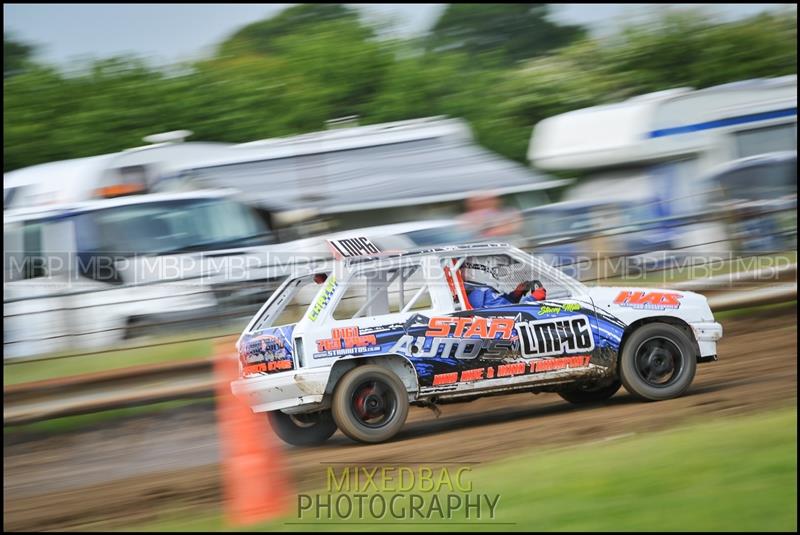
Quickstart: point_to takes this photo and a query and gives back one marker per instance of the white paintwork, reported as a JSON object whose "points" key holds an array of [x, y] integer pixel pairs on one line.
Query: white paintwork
{"points": [[87, 205], [617, 134], [350, 138], [694, 307], [76, 180]]}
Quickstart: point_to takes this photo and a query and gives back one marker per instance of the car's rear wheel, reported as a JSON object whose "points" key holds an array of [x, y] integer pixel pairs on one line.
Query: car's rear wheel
{"points": [[306, 429], [370, 404], [658, 362], [591, 393]]}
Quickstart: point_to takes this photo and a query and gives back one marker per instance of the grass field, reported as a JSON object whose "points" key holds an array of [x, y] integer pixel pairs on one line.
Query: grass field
{"points": [[83, 421], [735, 474], [37, 370], [776, 309]]}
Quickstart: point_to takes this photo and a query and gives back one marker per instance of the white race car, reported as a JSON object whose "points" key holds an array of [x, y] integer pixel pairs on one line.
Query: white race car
{"points": [[430, 326]]}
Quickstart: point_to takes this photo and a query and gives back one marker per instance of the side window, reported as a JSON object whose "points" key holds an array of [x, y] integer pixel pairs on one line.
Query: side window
{"points": [[353, 298], [764, 181], [410, 292], [527, 272], [384, 291], [33, 261], [767, 139], [13, 252], [502, 274], [291, 303], [555, 290], [8, 196]]}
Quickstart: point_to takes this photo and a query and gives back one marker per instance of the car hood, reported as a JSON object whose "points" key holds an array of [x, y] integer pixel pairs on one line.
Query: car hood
{"points": [[632, 303]]}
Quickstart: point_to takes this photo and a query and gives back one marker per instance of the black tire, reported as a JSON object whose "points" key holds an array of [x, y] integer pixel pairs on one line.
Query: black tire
{"points": [[370, 404], [658, 362], [590, 395], [307, 429]]}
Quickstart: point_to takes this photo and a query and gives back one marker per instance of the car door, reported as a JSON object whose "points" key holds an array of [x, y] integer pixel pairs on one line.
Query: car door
{"points": [[368, 314], [512, 343]]}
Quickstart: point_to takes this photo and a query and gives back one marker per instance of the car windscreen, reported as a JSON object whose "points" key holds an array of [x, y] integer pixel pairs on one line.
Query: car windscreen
{"points": [[760, 182], [167, 227], [555, 222], [440, 236]]}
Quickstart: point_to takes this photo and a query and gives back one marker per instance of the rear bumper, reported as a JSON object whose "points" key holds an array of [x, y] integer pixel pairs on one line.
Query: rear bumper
{"points": [[283, 390], [707, 333]]}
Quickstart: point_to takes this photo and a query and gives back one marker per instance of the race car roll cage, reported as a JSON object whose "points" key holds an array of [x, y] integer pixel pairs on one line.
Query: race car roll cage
{"points": [[450, 260]]}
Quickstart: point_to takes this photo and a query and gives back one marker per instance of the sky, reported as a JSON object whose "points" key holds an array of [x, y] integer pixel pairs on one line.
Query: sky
{"points": [[168, 33]]}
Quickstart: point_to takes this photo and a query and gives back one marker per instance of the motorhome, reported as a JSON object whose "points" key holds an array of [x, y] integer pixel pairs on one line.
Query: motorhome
{"points": [[131, 171], [348, 177], [655, 147]]}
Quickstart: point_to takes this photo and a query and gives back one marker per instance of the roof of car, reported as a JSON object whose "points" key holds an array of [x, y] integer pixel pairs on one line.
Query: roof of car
{"points": [[476, 248], [423, 251], [397, 256]]}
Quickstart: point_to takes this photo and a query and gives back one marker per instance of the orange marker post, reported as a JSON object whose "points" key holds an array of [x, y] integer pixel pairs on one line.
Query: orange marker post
{"points": [[255, 480]]}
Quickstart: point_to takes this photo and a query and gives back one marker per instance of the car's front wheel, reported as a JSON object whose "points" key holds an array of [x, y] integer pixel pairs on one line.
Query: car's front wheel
{"points": [[658, 362], [370, 404], [307, 429], [591, 394]]}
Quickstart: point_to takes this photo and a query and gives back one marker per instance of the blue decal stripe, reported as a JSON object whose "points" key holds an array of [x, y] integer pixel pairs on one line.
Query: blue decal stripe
{"points": [[610, 335], [730, 121]]}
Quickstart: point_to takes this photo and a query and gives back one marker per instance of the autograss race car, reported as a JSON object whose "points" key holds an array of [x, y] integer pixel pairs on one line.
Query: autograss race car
{"points": [[351, 343]]}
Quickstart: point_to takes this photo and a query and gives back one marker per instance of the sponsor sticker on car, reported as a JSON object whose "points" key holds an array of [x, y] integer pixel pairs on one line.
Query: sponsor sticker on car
{"points": [[648, 300], [352, 247]]}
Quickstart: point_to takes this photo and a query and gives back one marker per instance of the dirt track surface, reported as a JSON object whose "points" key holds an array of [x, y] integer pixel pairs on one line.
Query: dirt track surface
{"points": [[128, 471]]}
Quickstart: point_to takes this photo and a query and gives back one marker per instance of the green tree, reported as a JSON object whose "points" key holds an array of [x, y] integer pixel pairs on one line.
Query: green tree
{"points": [[689, 49], [261, 37], [249, 97], [311, 68], [327, 45], [512, 32], [50, 116], [16, 55], [339, 57]]}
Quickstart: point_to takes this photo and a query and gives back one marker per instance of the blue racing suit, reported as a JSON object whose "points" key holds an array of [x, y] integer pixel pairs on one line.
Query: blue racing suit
{"points": [[484, 297]]}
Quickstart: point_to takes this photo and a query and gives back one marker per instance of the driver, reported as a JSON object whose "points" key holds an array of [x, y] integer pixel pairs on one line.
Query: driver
{"points": [[481, 296], [481, 278]]}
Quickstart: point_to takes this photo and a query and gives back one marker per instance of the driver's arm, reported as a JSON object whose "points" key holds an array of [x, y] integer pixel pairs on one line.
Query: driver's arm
{"points": [[533, 288], [517, 293], [484, 297]]}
